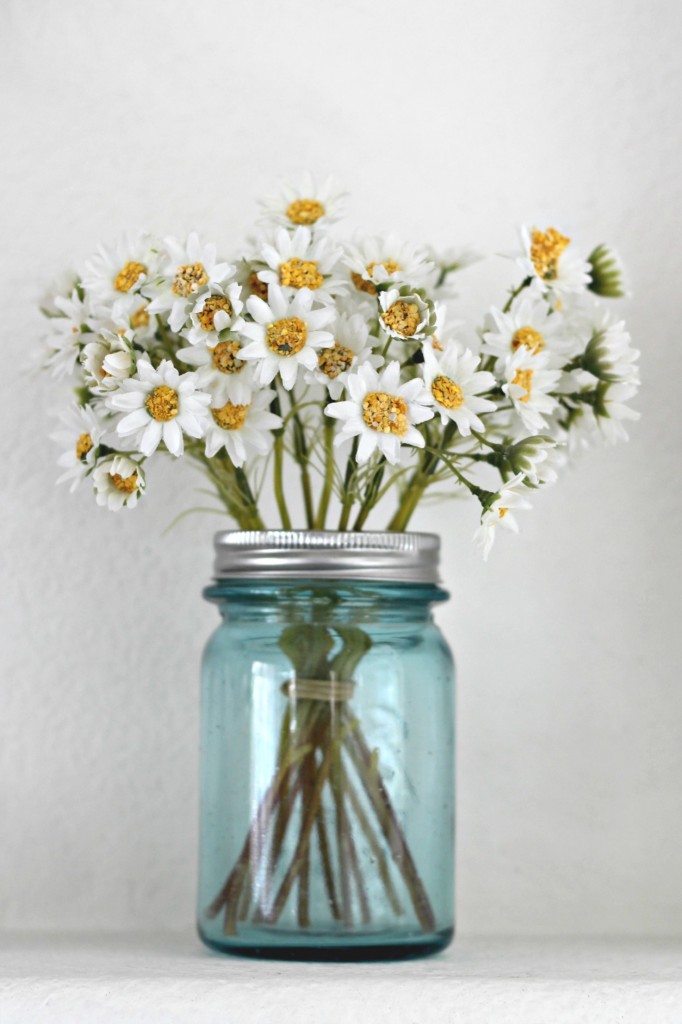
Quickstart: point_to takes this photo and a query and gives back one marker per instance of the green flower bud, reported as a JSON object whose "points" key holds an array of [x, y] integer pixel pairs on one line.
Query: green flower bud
{"points": [[607, 273]]}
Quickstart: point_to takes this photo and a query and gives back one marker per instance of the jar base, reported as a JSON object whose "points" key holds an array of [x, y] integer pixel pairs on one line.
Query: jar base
{"points": [[357, 950]]}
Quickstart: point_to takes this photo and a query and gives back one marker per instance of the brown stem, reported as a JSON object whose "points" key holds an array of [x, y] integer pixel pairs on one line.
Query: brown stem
{"points": [[327, 869], [342, 844], [356, 870], [377, 852]]}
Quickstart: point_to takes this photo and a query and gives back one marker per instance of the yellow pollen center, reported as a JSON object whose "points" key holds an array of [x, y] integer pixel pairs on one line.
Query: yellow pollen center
{"points": [[188, 278], [305, 211], [83, 446], [436, 344], [140, 318], [231, 417], [447, 393], [529, 337], [214, 304], [225, 357], [286, 337], [385, 413], [402, 317], [128, 276], [363, 285], [335, 360], [502, 512], [127, 484], [523, 378], [297, 273], [257, 286], [162, 403], [545, 249]]}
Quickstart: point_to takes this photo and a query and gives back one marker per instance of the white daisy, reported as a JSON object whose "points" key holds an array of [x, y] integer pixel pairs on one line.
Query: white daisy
{"points": [[187, 269], [300, 261], [113, 277], [69, 329], [453, 383], [376, 261], [406, 314], [352, 346], [527, 323], [136, 320], [511, 495], [118, 481], [548, 257], [242, 428], [107, 360], [221, 371], [309, 204], [381, 411], [160, 405], [215, 310], [528, 382], [80, 436], [610, 409], [286, 334]]}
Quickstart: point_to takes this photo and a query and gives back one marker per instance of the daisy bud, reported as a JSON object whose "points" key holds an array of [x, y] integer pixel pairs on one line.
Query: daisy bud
{"points": [[607, 273]]}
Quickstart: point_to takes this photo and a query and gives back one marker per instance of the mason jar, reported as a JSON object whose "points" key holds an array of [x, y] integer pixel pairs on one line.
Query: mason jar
{"points": [[327, 749]]}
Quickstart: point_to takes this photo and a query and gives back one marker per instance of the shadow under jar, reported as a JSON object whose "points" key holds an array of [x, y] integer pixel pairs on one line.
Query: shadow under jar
{"points": [[327, 751]]}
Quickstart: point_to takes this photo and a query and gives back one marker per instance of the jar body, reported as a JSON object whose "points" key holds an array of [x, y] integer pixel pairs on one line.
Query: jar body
{"points": [[327, 772]]}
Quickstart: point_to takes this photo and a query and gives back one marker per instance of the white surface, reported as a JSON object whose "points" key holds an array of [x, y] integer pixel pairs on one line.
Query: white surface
{"points": [[450, 122], [173, 980]]}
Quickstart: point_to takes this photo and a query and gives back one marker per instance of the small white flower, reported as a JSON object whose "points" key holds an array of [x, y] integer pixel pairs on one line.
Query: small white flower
{"points": [[611, 410], [160, 405], [351, 347], [300, 261], [406, 315], [242, 428], [310, 205], [215, 310], [511, 495], [136, 321], [80, 436], [376, 261], [453, 383], [187, 269], [285, 335], [527, 324], [528, 382], [107, 360], [113, 277], [548, 257], [68, 331], [118, 481], [609, 356], [381, 411], [221, 371]]}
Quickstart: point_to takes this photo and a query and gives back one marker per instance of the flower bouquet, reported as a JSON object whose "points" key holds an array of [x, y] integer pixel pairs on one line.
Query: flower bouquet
{"points": [[312, 363]]}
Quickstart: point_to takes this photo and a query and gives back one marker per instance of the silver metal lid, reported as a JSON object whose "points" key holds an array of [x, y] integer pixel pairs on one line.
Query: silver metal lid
{"points": [[327, 554]]}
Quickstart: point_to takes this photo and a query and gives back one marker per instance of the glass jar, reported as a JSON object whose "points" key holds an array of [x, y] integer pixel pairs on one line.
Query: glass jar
{"points": [[327, 750]]}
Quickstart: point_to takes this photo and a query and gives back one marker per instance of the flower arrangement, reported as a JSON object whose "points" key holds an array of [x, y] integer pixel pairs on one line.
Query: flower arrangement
{"points": [[304, 343]]}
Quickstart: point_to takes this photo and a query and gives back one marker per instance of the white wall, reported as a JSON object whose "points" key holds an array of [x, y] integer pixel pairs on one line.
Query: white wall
{"points": [[451, 122]]}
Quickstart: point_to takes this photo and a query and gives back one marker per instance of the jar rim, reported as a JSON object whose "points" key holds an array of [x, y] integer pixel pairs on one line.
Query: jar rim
{"points": [[327, 554]]}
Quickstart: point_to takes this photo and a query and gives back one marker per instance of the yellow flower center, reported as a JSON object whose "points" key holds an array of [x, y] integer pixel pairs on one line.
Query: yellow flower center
{"points": [[214, 304], [127, 484], [257, 286], [502, 512], [446, 392], [545, 249], [297, 273], [385, 413], [436, 344], [140, 318], [162, 403], [231, 417], [286, 337], [83, 446], [188, 278], [128, 276], [402, 317], [363, 285], [523, 378], [335, 360], [225, 357], [305, 211], [529, 337]]}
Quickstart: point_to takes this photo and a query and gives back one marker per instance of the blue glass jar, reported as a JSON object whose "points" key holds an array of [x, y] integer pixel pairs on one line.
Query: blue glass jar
{"points": [[327, 749]]}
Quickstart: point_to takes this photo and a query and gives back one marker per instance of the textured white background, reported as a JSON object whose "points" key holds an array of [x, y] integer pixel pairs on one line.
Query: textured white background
{"points": [[450, 122]]}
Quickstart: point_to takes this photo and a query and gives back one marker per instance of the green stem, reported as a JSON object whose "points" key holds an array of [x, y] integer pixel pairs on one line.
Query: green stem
{"points": [[328, 485], [302, 456], [517, 291], [420, 481], [278, 471], [348, 499]]}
